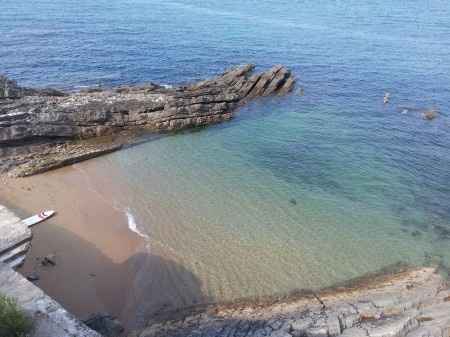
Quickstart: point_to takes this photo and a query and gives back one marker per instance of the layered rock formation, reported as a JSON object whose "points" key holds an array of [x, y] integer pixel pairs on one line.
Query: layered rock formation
{"points": [[36, 116], [409, 304]]}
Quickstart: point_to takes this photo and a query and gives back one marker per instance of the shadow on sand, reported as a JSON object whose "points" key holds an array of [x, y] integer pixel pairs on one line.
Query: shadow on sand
{"points": [[86, 281]]}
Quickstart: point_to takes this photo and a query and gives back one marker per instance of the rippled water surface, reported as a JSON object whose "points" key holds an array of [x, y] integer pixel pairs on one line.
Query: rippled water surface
{"points": [[299, 191]]}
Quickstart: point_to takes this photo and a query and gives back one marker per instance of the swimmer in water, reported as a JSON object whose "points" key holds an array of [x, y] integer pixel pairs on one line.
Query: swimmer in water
{"points": [[386, 98]]}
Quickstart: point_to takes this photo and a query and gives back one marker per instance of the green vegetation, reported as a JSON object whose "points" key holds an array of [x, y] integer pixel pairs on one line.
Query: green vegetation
{"points": [[13, 321]]}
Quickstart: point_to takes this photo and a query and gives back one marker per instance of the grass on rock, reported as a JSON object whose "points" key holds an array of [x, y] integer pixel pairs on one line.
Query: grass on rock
{"points": [[13, 321]]}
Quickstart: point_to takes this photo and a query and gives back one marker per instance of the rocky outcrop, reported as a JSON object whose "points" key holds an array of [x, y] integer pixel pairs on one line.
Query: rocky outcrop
{"points": [[101, 112], [32, 116], [10, 89], [410, 304]]}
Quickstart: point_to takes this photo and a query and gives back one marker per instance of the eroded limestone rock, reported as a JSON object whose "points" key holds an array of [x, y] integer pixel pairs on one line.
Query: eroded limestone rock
{"points": [[29, 116], [410, 304]]}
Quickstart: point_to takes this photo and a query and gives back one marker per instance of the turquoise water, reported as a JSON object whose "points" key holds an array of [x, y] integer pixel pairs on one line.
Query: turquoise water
{"points": [[299, 191]]}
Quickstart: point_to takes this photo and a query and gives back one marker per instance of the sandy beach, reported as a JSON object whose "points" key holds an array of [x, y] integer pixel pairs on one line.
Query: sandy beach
{"points": [[101, 265]]}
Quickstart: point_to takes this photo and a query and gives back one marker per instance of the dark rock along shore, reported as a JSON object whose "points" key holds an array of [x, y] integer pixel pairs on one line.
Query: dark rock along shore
{"points": [[45, 129], [412, 303]]}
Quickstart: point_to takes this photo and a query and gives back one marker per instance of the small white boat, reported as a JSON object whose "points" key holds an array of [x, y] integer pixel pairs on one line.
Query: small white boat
{"points": [[35, 219]]}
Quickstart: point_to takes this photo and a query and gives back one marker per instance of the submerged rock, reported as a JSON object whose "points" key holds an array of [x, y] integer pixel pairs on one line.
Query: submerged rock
{"points": [[426, 112], [430, 114]]}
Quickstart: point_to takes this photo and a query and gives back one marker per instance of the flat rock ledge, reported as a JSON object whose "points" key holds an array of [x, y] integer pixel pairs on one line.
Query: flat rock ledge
{"points": [[45, 129], [414, 303]]}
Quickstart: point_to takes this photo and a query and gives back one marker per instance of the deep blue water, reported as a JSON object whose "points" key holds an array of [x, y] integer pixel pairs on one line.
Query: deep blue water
{"points": [[371, 184]]}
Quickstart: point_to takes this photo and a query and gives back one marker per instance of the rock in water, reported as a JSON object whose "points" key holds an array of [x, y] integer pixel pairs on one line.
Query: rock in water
{"points": [[8, 88], [90, 114], [36, 116], [429, 114]]}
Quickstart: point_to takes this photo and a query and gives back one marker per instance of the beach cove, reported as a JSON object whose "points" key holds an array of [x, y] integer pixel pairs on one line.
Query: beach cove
{"points": [[306, 187]]}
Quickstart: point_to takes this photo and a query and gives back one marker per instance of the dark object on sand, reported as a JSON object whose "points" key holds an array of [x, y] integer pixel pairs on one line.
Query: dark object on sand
{"points": [[292, 201], [33, 277], [105, 324], [49, 260]]}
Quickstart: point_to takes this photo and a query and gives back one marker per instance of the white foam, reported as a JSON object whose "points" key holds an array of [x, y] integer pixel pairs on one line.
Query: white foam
{"points": [[133, 226]]}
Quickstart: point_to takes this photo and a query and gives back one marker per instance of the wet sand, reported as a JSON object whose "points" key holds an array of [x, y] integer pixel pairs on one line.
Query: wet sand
{"points": [[101, 265]]}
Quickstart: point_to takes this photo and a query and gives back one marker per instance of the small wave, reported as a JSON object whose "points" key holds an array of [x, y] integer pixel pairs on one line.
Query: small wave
{"points": [[133, 226], [167, 86]]}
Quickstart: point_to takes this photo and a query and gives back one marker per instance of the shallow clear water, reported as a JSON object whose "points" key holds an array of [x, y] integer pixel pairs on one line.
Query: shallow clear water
{"points": [[299, 191]]}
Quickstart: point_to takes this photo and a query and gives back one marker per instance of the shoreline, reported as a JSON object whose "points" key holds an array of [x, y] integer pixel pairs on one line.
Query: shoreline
{"points": [[91, 245], [103, 266], [349, 288], [411, 303]]}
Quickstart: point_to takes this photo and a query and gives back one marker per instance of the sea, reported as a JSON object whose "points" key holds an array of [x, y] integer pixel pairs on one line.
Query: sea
{"points": [[308, 190]]}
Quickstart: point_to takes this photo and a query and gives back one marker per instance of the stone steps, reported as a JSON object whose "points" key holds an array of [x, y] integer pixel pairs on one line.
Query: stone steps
{"points": [[16, 256], [15, 238]]}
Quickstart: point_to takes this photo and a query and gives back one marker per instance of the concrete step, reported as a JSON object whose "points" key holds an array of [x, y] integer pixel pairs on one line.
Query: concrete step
{"points": [[14, 234], [16, 256], [17, 262]]}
